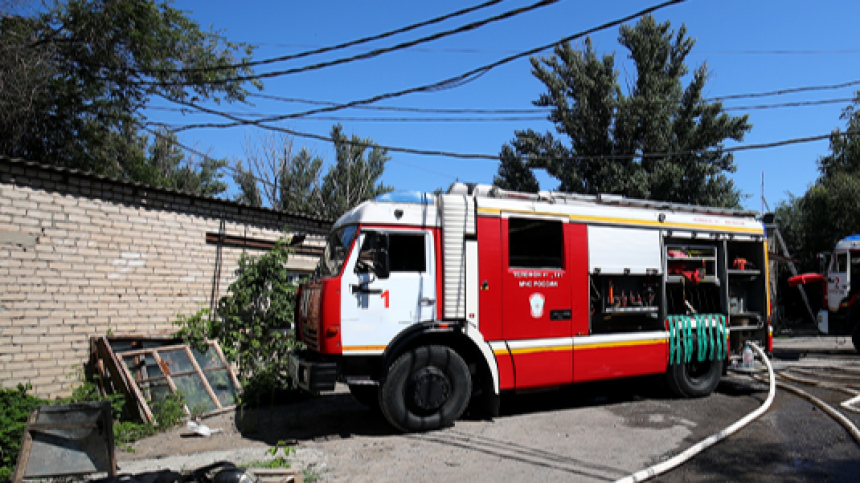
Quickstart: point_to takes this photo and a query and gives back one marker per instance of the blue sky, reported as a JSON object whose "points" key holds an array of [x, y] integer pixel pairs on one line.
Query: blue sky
{"points": [[749, 47]]}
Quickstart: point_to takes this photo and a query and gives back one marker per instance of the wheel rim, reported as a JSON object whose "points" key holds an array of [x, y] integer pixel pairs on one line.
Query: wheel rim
{"points": [[697, 370], [427, 390]]}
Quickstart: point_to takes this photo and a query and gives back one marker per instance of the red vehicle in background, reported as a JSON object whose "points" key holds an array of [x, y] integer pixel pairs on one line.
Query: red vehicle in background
{"points": [[840, 281]]}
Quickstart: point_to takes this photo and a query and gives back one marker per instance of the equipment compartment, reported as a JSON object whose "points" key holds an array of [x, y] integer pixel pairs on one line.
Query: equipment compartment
{"points": [[745, 273], [625, 303]]}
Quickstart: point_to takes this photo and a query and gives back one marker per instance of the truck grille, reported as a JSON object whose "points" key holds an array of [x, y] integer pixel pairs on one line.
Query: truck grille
{"points": [[309, 314]]}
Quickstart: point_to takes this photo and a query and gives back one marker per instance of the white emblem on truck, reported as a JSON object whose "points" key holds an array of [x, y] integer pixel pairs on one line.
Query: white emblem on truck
{"points": [[536, 302]]}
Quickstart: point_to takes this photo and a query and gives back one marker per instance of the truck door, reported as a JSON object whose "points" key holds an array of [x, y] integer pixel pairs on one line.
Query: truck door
{"points": [[837, 280], [537, 307], [374, 310]]}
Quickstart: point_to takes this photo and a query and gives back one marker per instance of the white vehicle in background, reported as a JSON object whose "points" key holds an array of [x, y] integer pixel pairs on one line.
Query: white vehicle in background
{"points": [[840, 314]]}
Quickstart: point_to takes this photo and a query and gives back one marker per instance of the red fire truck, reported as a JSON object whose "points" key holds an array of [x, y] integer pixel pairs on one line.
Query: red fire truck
{"points": [[422, 304]]}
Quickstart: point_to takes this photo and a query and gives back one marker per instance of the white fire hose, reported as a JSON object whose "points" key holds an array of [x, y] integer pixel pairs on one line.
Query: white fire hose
{"points": [[710, 441], [672, 463]]}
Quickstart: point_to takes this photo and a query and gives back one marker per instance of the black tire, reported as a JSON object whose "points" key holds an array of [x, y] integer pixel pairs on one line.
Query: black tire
{"points": [[427, 388], [855, 337], [694, 379], [367, 395]]}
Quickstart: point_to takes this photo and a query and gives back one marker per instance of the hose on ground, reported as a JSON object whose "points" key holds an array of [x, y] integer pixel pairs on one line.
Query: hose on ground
{"points": [[682, 458], [852, 429], [848, 405]]}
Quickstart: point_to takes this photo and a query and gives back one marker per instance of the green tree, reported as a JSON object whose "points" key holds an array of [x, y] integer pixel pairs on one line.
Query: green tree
{"points": [[245, 179], [300, 184], [167, 165], [252, 317], [830, 208], [617, 143], [354, 177], [279, 178], [514, 174], [78, 74]]}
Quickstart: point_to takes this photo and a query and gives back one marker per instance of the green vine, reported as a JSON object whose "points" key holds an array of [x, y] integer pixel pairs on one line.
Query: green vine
{"points": [[251, 321]]}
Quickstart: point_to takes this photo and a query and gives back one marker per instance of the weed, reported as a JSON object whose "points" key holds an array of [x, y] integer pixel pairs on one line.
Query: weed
{"points": [[15, 406], [280, 454]]}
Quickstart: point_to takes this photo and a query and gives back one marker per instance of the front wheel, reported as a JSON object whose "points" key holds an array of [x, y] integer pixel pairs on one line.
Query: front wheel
{"points": [[694, 379], [427, 388]]}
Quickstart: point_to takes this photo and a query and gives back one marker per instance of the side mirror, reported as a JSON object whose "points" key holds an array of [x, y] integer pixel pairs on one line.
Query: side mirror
{"points": [[823, 259], [381, 264]]}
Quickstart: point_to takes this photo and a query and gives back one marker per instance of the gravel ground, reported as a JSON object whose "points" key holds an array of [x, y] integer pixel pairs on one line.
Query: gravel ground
{"points": [[589, 432]]}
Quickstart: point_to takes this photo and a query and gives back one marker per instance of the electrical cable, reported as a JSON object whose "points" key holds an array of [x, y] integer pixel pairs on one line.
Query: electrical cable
{"points": [[233, 170], [341, 46], [354, 58], [448, 83], [605, 157], [500, 112], [546, 110], [685, 456], [793, 90]]}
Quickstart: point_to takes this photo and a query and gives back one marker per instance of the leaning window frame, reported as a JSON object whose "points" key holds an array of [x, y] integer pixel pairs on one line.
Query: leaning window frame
{"points": [[169, 377]]}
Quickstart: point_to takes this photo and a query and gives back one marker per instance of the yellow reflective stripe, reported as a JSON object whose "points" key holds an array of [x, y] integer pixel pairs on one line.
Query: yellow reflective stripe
{"points": [[531, 350], [606, 345], [349, 348], [766, 269], [630, 221], [596, 345]]}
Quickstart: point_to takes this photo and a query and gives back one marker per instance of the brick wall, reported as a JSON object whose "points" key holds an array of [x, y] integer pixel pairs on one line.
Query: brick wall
{"points": [[82, 255]]}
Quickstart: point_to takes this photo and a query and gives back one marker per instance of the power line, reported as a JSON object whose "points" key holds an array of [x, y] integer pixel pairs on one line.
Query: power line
{"points": [[448, 83], [403, 109], [525, 111], [779, 52], [233, 170], [362, 56], [790, 104], [609, 157], [341, 46], [505, 115], [793, 90]]}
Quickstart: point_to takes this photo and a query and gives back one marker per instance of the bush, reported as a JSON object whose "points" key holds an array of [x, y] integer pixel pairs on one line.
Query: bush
{"points": [[15, 406], [251, 321]]}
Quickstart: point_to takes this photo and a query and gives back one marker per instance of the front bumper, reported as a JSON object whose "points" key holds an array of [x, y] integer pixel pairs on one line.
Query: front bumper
{"points": [[312, 375]]}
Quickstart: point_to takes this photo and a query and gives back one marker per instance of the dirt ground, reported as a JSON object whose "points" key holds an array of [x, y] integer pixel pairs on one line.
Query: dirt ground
{"points": [[589, 432]]}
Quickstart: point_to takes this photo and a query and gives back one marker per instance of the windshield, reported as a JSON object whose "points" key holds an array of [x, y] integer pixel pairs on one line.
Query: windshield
{"points": [[336, 250]]}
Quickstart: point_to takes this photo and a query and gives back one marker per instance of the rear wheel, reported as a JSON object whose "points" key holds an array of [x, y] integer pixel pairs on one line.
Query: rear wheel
{"points": [[694, 379], [427, 388], [855, 337]]}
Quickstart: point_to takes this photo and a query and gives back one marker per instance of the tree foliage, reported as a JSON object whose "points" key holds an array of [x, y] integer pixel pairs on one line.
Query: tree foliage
{"points": [[830, 208], [514, 174], [354, 177], [278, 177], [252, 317], [661, 141], [167, 165], [77, 76], [295, 183]]}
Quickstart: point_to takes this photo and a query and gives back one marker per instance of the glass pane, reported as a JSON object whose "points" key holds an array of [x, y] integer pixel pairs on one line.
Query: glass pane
{"points": [[222, 385], [406, 253], [142, 367], [155, 390], [535, 243], [177, 361], [208, 359], [196, 397]]}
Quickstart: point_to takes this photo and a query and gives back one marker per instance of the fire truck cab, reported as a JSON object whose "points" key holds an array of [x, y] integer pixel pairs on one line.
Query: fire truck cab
{"points": [[840, 314], [422, 304]]}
